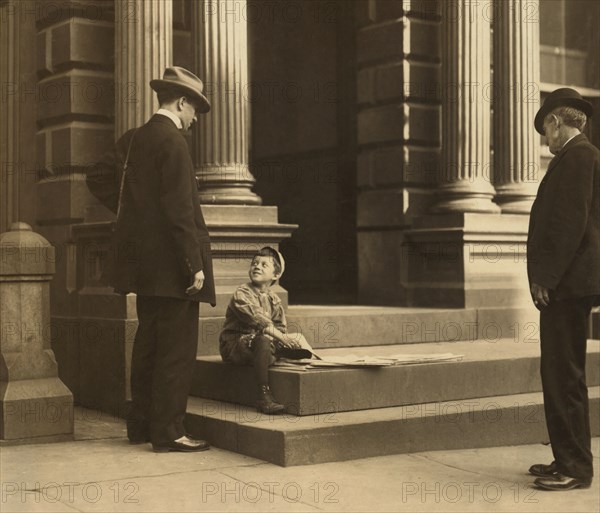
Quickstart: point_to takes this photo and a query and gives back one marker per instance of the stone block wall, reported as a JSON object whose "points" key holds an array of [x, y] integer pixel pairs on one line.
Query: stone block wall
{"points": [[76, 99], [398, 93]]}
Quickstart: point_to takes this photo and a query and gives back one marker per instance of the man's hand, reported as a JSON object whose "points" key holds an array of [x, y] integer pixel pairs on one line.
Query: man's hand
{"points": [[197, 285], [540, 295]]}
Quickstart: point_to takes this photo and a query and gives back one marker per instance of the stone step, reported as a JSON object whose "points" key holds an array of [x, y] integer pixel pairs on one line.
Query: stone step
{"points": [[289, 440], [326, 326], [487, 369]]}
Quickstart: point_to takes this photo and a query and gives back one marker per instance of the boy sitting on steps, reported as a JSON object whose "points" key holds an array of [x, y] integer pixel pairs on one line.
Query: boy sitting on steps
{"points": [[254, 332]]}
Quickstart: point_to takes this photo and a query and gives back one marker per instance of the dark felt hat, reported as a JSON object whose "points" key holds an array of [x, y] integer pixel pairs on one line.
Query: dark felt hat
{"points": [[563, 97], [185, 81]]}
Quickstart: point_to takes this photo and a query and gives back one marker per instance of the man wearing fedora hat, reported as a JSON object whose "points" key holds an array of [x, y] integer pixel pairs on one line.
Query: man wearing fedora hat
{"points": [[563, 264], [161, 252]]}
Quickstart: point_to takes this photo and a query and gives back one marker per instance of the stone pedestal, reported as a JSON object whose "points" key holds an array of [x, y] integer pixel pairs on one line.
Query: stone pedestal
{"points": [[35, 404], [467, 260], [106, 324]]}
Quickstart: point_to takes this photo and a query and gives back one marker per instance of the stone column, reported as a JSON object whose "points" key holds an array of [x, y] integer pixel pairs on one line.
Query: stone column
{"points": [[9, 121], [18, 173], [465, 169], [35, 404], [220, 52], [143, 49], [469, 257], [516, 100]]}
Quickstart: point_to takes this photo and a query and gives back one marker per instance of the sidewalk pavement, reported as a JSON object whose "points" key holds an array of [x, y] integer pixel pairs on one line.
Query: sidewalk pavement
{"points": [[100, 471]]}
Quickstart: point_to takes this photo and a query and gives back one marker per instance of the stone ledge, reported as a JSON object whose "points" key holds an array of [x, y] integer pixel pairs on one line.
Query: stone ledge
{"points": [[334, 390], [287, 441]]}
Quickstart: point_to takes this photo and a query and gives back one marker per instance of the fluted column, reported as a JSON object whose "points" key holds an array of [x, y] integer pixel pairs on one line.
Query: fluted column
{"points": [[220, 52], [516, 100], [143, 49], [10, 49], [464, 184]]}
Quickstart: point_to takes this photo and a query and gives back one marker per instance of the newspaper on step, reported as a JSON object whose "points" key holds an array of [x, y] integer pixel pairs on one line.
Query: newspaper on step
{"points": [[352, 360]]}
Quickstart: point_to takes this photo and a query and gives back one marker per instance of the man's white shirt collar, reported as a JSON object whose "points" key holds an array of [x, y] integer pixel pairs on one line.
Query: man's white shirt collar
{"points": [[171, 116], [569, 140]]}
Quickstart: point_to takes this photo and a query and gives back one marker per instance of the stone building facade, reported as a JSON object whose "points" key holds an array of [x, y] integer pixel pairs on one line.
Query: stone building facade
{"points": [[387, 146]]}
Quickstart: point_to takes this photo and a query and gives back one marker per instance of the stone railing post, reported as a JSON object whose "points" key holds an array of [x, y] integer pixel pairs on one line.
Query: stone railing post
{"points": [[35, 403]]}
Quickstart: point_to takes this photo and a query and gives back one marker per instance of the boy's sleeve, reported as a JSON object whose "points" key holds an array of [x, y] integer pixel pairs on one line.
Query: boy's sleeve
{"points": [[246, 308], [279, 320]]}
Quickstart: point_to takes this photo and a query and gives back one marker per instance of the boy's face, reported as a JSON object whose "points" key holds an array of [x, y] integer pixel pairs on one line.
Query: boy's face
{"points": [[262, 270]]}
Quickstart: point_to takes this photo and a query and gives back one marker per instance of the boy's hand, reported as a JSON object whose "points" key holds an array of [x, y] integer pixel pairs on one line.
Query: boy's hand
{"points": [[289, 342]]}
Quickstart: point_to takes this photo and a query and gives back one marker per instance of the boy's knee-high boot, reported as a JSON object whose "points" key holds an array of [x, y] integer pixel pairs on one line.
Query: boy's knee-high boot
{"points": [[266, 402]]}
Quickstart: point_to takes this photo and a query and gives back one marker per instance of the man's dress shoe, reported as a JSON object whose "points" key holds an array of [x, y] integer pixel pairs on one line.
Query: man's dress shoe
{"points": [[183, 444], [561, 482], [542, 470]]}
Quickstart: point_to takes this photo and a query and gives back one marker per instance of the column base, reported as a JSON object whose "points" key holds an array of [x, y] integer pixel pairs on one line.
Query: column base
{"points": [[467, 260], [466, 196], [520, 206], [34, 409], [226, 185], [477, 204], [228, 196], [516, 198]]}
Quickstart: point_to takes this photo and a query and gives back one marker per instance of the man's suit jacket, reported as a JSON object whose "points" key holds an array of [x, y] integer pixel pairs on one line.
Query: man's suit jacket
{"points": [[161, 239], [563, 245]]}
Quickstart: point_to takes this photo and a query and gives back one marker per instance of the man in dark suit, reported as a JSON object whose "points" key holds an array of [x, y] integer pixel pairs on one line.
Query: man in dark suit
{"points": [[563, 262], [161, 252]]}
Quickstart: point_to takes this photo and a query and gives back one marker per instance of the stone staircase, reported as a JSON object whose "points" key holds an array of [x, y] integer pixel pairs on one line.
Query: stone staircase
{"points": [[492, 397]]}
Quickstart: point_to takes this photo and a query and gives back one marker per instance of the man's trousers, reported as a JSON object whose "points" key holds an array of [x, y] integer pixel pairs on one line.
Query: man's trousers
{"points": [[162, 364], [563, 333]]}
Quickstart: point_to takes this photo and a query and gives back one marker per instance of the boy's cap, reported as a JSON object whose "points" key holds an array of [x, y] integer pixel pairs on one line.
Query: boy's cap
{"points": [[277, 256]]}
